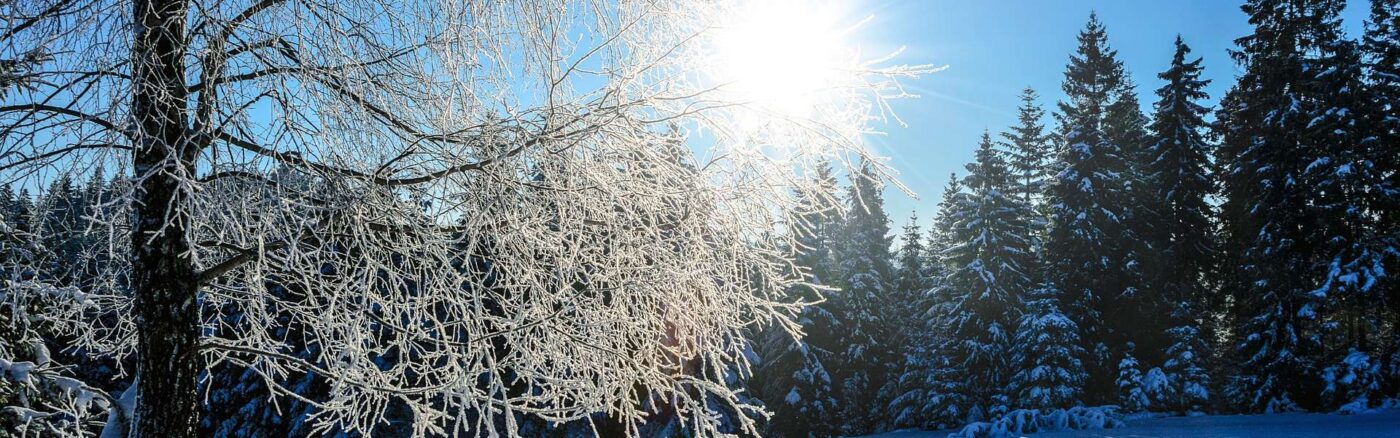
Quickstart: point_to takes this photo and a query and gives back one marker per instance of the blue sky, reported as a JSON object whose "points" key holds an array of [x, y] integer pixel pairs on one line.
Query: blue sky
{"points": [[993, 49]]}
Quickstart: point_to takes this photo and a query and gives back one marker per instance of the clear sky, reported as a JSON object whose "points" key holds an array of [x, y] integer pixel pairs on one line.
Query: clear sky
{"points": [[993, 49]]}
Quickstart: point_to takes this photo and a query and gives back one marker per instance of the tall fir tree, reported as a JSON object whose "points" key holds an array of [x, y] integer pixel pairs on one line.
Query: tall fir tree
{"points": [[1345, 187], [989, 260], [1183, 232], [1084, 243], [908, 304], [1381, 46], [1291, 130], [1134, 316], [911, 271], [863, 250]]}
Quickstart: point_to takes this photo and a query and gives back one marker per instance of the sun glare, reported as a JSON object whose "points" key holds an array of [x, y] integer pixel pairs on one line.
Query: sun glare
{"points": [[780, 55]]}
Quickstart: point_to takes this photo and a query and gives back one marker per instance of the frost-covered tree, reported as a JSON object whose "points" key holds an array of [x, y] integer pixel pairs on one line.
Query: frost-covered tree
{"points": [[989, 264], [1049, 373], [37, 384], [865, 262], [1084, 246], [422, 127]]}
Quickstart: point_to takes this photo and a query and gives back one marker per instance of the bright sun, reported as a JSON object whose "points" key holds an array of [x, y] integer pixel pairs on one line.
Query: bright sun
{"points": [[780, 55]]}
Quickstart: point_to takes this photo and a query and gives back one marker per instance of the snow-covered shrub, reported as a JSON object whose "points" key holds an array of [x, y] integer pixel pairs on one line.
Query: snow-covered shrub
{"points": [[1023, 421], [1130, 388], [1158, 388], [1355, 382]]}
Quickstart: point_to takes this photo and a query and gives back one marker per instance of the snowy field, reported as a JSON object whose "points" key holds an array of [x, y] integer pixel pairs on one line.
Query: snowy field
{"points": [[1383, 424]]}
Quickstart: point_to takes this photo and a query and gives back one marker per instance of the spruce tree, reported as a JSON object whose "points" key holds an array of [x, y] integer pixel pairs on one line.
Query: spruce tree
{"points": [[1136, 314], [1028, 149], [1182, 227], [1131, 396], [911, 282], [1382, 60], [1085, 242], [908, 304], [793, 379], [1290, 129], [989, 263], [1049, 373], [928, 393], [863, 250], [1345, 187]]}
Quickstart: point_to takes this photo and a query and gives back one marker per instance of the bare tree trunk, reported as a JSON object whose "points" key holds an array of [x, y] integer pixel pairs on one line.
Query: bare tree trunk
{"points": [[167, 314]]}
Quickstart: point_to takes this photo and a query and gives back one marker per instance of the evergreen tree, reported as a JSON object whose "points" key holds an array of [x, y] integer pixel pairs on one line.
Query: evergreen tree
{"points": [[1290, 129], [911, 270], [1355, 383], [863, 250], [1345, 187], [1028, 149], [1131, 396], [906, 308], [1135, 316], [1382, 49], [792, 378], [989, 260], [1049, 372], [1182, 227], [929, 394], [1188, 381], [1085, 242]]}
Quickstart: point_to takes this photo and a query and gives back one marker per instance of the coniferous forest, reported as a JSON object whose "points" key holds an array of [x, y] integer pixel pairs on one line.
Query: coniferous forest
{"points": [[566, 272]]}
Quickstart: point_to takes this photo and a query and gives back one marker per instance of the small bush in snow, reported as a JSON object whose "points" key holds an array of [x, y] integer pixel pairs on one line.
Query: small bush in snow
{"points": [[1023, 421]]}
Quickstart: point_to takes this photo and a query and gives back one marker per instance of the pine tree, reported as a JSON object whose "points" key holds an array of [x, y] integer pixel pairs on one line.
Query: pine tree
{"points": [[910, 272], [1049, 372], [863, 250], [793, 379], [1028, 149], [989, 261], [1182, 230], [1346, 187], [1381, 45], [1135, 315], [1187, 377], [1085, 242], [1131, 396], [928, 394], [1290, 179]]}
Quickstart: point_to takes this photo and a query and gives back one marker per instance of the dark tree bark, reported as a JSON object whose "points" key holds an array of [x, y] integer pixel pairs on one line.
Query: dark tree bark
{"points": [[166, 284]]}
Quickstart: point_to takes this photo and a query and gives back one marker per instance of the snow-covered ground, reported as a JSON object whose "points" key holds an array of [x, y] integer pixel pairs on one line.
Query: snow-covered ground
{"points": [[1382, 424]]}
